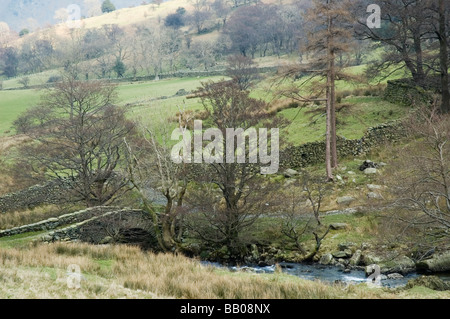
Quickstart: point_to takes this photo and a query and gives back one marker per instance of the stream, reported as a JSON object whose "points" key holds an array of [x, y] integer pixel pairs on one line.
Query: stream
{"points": [[328, 274]]}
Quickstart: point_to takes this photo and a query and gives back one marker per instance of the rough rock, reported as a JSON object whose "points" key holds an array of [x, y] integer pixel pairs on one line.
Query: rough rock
{"points": [[106, 240], [395, 276], [431, 282], [254, 252], [370, 171], [47, 238], [342, 263], [342, 254], [373, 195], [346, 245], [401, 264], [356, 258], [369, 258], [438, 263], [373, 187], [367, 164], [348, 252], [338, 226], [289, 173], [345, 200], [326, 259], [181, 92]]}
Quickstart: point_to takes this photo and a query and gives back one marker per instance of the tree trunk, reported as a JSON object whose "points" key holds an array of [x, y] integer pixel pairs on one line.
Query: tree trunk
{"points": [[328, 156], [329, 125], [419, 59], [443, 55], [334, 159], [317, 246], [167, 224], [167, 235]]}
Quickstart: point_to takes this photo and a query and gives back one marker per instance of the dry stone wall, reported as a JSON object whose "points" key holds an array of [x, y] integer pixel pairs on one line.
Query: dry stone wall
{"points": [[93, 225], [406, 92], [297, 157], [50, 193], [97, 228], [53, 223]]}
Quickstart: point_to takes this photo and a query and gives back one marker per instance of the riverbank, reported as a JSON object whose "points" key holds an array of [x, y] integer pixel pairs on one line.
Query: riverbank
{"points": [[120, 271]]}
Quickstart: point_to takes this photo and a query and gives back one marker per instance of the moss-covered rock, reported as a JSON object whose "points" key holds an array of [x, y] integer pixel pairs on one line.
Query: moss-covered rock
{"points": [[401, 264], [438, 263], [430, 282]]}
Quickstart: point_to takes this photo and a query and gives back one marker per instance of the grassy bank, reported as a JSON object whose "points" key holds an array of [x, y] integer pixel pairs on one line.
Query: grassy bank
{"points": [[127, 272]]}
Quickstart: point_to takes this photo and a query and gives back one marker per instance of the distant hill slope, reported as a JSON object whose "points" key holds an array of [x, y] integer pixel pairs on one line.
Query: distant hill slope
{"points": [[21, 14]]}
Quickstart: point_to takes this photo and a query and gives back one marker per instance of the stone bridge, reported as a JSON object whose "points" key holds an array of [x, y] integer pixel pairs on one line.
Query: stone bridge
{"points": [[97, 225]]}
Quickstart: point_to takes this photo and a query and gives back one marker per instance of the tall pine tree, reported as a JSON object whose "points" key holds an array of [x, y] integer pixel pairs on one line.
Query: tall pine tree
{"points": [[329, 32]]}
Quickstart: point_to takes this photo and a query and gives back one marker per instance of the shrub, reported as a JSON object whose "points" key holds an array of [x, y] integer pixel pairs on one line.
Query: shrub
{"points": [[54, 79], [174, 20], [23, 32], [25, 81]]}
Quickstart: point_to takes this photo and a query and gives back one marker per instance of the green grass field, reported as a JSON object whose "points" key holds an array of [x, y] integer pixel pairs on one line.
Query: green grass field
{"points": [[358, 114], [142, 98], [153, 102], [12, 104]]}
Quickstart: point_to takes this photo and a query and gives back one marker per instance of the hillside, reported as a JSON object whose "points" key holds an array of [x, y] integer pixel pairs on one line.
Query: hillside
{"points": [[226, 150], [20, 14]]}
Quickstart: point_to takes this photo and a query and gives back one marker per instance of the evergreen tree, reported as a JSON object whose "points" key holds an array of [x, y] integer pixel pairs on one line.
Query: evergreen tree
{"points": [[108, 6], [119, 68]]}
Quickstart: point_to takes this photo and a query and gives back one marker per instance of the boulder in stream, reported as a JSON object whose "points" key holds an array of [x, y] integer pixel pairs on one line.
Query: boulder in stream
{"points": [[439, 263], [401, 264], [342, 254], [326, 259], [356, 258], [395, 275]]}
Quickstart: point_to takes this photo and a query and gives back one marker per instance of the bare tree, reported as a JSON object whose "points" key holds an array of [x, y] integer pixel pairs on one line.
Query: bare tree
{"points": [[294, 224], [405, 29], [6, 35], [61, 15], [200, 14], [151, 169], [297, 220], [420, 182], [221, 10], [439, 13], [93, 7], [229, 197], [443, 56], [80, 140], [25, 81], [314, 190], [242, 70]]}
